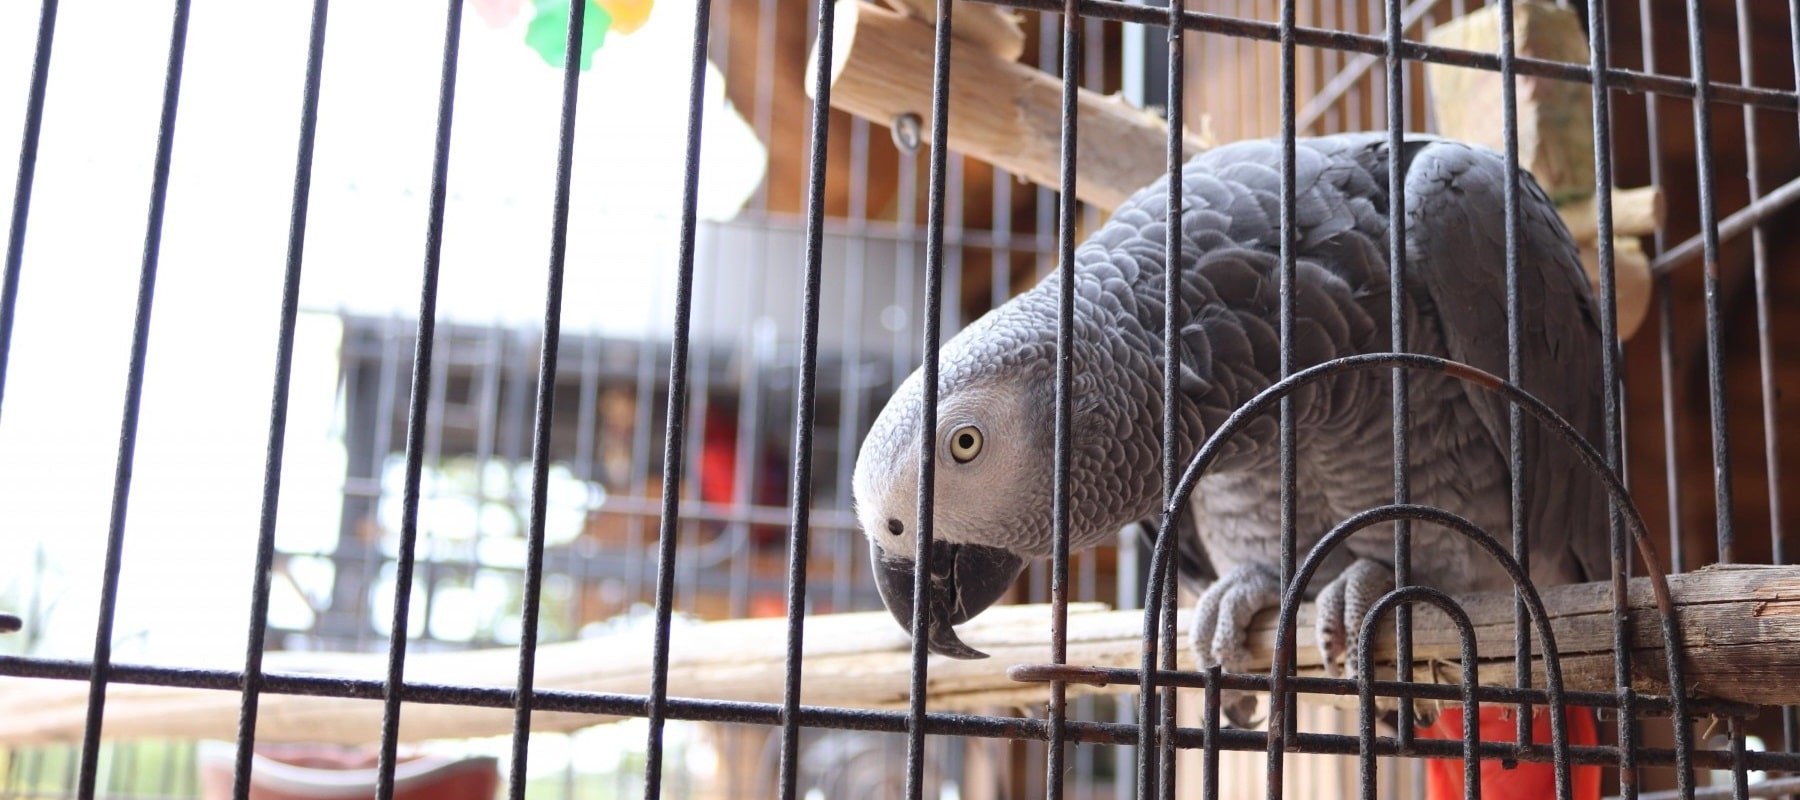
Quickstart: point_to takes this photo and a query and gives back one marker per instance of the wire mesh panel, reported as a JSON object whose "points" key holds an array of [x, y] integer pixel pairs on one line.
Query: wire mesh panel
{"points": [[592, 531]]}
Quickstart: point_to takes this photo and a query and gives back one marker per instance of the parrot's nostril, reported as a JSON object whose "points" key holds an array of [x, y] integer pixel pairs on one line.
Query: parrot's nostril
{"points": [[894, 527]]}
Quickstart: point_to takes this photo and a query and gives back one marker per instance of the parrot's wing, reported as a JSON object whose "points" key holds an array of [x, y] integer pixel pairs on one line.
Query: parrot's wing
{"points": [[1456, 258]]}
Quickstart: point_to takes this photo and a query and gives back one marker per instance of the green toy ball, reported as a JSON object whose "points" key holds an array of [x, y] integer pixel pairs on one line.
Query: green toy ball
{"points": [[550, 26]]}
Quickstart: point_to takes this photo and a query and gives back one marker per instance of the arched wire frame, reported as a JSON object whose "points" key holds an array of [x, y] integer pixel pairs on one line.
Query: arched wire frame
{"points": [[1465, 633], [1365, 665], [1159, 590]]}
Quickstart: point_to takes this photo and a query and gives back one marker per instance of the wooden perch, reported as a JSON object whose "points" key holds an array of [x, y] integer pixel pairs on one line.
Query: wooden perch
{"points": [[1001, 112], [1635, 212], [1555, 118], [1740, 628], [1631, 280], [990, 27]]}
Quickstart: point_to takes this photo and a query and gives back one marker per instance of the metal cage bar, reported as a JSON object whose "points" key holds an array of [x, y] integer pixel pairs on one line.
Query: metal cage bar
{"points": [[673, 462], [101, 667], [21, 208], [418, 407], [531, 595], [255, 640], [1062, 442]]}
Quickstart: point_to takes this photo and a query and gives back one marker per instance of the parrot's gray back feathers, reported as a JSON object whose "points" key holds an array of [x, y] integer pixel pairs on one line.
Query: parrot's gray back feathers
{"points": [[1230, 351]]}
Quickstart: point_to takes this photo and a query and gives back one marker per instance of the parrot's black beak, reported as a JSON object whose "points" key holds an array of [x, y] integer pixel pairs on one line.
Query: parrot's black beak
{"points": [[962, 581]]}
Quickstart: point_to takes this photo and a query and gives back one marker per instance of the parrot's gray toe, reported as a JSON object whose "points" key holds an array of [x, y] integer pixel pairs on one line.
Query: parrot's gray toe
{"points": [[1221, 618], [1239, 709], [1342, 604], [1223, 614]]}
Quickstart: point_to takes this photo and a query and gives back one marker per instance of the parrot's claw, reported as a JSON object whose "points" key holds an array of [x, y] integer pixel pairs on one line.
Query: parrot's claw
{"points": [[1341, 607], [1221, 618]]}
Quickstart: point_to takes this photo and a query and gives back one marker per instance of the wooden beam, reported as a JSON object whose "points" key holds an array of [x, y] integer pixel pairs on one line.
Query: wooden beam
{"points": [[1740, 627], [1001, 112]]}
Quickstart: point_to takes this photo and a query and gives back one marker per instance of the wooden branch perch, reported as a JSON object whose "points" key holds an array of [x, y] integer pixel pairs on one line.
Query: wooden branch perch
{"points": [[1631, 280], [1001, 112], [1740, 630], [1635, 212], [990, 27]]}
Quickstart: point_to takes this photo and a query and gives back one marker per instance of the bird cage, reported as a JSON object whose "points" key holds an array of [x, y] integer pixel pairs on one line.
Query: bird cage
{"points": [[495, 374]]}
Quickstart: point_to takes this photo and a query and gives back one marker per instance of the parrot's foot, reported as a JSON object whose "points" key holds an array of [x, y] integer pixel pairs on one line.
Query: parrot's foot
{"points": [[1221, 618], [1341, 608]]}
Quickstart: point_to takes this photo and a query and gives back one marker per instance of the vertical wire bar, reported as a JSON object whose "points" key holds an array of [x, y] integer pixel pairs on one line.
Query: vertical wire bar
{"points": [[1740, 776], [1709, 237], [1166, 750], [278, 405], [1396, 120], [1664, 303], [1065, 355], [1509, 103], [1790, 715], [28, 147], [1709, 232], [1609, 371], [1158, 576], [531, 599], [1173, 314], [1281, 704], [657, 707], [934, 304], [1760, 260], [1209, 741], [128, 424], [417, 408], [800, 496], [1604, 30]]}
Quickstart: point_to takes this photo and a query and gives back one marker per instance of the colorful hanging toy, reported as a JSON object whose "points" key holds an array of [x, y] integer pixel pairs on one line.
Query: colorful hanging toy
{"points": [[549, 25]]}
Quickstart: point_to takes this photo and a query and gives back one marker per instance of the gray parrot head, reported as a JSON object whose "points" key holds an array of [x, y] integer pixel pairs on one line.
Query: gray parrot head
{"points": [[993, 448]]}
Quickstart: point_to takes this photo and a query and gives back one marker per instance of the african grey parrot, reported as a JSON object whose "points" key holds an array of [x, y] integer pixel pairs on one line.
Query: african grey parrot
{"points": [[996, 407]]}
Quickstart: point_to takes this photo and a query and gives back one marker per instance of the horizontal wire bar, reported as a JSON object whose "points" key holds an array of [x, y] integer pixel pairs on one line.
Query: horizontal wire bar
{"points": [[838, 718], [1730, 227], [1768, 788], [1125, 676], [1625, 79]]}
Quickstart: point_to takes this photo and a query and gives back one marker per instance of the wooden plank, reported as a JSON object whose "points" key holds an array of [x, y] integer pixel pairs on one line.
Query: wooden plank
{"points": [[1001, 112], [1740, 628]]}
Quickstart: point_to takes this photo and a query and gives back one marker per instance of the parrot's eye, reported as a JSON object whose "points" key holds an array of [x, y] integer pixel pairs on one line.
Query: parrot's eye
{"points": [[965, 444]]}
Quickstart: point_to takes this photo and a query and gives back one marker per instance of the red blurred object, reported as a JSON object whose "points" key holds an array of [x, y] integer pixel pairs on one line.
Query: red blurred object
{"points": [[718, 455], [1526, 781], [305, 772]]}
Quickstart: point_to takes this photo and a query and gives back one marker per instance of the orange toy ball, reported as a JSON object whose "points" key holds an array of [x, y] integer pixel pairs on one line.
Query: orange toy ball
{"points": [[627, 15]]}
